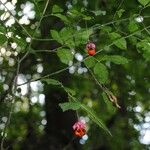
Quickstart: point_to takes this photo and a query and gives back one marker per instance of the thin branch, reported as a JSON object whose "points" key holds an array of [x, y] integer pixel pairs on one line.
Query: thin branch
{"points": [[37, 6], [45, 50], [98, 83], [115, 21], [17, 73], [140, 12], [11, 107], [117, 29], [32, 38], [36, 39], [46, 76], [86, 57], [125, 37], [46, 5], [94, 28], [109, 94], [49, 51]]}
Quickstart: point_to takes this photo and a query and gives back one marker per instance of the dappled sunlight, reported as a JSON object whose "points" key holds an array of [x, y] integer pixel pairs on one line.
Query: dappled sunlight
{"points": [[74, 75]]}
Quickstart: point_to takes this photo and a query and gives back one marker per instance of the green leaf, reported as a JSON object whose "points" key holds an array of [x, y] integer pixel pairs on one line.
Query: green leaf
{"points": [[73, 13], [120, 12], [67, 36], [82, 36], [133, 40], [90, 62], [105, 98], [70, 105], [101, 72], [85, 34], [118, 41], [21, 43], [74, 2], [109, 105], [87, 17], [70, 91], [65, 55], [132, 27], [106, 28], [144, 48], [55, 35], [3, 39], [2, 29], [62, 17], [99, 13], [52, 81], [72, 37], [144, 2], [76, 14], [117, 59], [95, 118], [56, 9]]}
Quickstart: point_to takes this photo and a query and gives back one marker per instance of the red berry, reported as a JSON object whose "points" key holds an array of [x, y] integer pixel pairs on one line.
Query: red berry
{"points": [[91, 52], [90, 46]]}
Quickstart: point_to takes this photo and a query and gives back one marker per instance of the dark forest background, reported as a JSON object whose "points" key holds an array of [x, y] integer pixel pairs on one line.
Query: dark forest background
{"points": [[45, 56]]}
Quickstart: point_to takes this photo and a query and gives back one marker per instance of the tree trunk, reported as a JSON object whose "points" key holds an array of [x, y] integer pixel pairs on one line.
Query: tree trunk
{"points": [[58, 130]]}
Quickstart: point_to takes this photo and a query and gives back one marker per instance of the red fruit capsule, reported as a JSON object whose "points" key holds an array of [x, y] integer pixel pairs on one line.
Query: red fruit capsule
{"points": [[79, 128], [90, 46], [80, 132], [91, 52]]}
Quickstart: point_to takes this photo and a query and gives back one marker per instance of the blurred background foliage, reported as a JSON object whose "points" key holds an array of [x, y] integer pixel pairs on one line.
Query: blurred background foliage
{"points": [[42, 39]]}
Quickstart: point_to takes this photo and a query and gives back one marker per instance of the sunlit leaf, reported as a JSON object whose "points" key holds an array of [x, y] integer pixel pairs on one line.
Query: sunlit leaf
{"points": [[55, 35], [133, 26], [90, 62], [120, 12], [70, 106], [65, 55], [101, 72], [118, 40], [144, 2], [66, 35], [56, 9], [99, 13], [144, 48], [52, 81], [117, 59], [70, 91], [62, 17]]}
